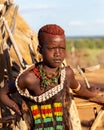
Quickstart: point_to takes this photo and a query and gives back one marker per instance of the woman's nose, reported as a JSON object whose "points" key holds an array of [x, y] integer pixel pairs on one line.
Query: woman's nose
{"points": [[57, 51]]}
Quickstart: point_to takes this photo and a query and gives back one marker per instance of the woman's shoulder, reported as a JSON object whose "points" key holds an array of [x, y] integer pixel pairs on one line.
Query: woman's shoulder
{"points": [[69, 71], [25, 76]]}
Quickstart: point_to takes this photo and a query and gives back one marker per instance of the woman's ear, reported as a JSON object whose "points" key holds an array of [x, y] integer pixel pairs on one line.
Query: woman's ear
{"points": [[39, 49]]}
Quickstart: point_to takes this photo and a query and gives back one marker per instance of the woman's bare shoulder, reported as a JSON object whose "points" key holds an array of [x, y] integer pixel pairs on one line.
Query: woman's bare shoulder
{"points": [[69, 71], [26, 78]]}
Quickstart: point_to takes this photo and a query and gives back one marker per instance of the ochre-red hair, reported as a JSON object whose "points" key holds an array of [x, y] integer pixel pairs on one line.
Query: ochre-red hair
{"points": [[49, 29]]}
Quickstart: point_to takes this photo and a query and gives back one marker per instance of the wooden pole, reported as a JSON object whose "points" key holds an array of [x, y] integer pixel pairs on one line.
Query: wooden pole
{"points": [[14, 44], [83, 75], [12, 26], [2, 64], [97, 120]]}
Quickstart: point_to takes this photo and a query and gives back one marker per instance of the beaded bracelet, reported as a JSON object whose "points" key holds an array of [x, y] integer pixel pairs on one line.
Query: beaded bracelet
{"points": [[78, 88]]}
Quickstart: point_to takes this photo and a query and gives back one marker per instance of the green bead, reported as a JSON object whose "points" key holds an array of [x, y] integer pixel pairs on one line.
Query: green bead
{"points": [[38, 121], [59, 127], [48, 120], [59, 118]]}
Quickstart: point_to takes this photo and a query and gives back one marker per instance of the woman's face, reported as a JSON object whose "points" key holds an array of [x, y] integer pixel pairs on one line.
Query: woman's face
{"points": [[53, 50]]}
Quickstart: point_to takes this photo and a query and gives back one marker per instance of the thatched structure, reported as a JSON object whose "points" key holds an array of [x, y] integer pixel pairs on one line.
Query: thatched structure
{"points": [[17, 38], [18, 48]]}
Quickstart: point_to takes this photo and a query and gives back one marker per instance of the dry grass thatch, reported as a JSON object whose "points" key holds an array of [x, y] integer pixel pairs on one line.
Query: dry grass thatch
{"points": [[23, 35], [25, 40]]}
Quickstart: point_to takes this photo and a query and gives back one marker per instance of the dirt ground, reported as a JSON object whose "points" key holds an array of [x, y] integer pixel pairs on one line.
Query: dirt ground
{"points": [[87, 110]]}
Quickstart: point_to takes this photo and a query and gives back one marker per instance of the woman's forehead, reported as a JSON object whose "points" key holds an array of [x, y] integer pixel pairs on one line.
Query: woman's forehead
{"points": [[55, 41], [56, 38]]}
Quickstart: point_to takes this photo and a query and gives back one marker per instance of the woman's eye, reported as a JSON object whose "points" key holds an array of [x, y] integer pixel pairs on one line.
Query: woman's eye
{"points": [[56, 48], [50, 48], [62, 48]]}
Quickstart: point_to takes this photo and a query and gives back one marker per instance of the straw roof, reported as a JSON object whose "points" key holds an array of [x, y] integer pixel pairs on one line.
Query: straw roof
{"points": [[23, 35]]}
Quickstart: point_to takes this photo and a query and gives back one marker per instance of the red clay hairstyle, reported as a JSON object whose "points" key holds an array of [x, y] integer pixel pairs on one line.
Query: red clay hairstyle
{"points": [[49, 29]]}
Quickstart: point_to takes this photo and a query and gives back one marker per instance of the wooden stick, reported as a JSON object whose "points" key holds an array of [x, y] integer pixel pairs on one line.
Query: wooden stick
{"points": [[2, 64], [12, 26], [87, 105], [83, 75], [14, 44], [13, 20], [6, 54], [7, 11], [97, 120]]}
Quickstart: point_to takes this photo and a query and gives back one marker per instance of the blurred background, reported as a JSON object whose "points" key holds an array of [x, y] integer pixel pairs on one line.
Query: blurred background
{"points": [[83, 22]]}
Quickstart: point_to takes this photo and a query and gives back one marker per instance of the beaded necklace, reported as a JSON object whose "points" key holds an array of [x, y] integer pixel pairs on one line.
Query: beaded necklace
{"points": [[46, 95], [45, 80]]}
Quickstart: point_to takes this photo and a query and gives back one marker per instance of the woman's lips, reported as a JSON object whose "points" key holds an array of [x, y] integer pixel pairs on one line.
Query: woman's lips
{"points": [[57, 60]]}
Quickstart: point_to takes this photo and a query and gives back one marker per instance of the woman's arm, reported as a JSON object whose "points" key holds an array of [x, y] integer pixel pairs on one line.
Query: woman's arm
{"points": [[6, 100], [79, 89], [85, 92]]}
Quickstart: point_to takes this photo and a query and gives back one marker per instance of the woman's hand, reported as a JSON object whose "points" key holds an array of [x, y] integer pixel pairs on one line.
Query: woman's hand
{"points": [[95, 90], [98, 95], [6, 100], [15, 108]]}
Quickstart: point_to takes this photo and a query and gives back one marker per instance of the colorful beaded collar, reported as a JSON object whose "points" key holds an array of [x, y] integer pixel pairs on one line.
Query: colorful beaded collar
{"points": [[46, 95], [45, 80]]}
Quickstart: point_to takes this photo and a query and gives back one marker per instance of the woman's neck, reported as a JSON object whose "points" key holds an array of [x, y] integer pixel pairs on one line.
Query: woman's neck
{"points": [[49, 76]]}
